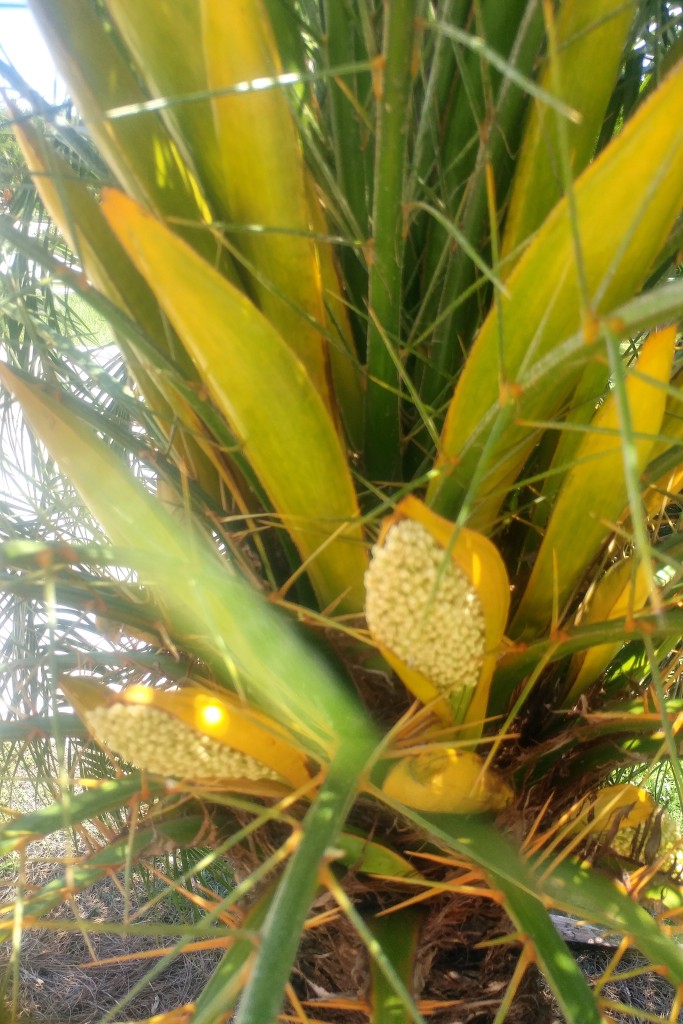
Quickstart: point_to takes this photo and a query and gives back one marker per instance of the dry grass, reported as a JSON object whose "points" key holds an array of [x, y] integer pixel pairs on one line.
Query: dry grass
{"points": [[57, 979], [54, 980], [632, 985]]}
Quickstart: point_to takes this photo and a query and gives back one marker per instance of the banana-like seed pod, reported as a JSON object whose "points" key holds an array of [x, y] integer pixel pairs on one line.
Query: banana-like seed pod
{"points": [[437, 602], [447, 781], [189, 733]]}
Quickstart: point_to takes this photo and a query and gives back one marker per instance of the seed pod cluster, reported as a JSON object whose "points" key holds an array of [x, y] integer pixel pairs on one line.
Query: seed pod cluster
{"points": [[188, 733], [160, 743], [422, 607], [437, 600]]}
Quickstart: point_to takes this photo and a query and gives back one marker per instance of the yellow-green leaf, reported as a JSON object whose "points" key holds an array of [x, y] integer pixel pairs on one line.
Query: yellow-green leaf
{"points": [[622, 591], [347, 373], [138, 148], [150, 40], [670, 482], [207, 608], [361, 854], [75, 210], [392, 989], [271, 404], [626, 203], [593, 494], [590, 45], [263, 175]]}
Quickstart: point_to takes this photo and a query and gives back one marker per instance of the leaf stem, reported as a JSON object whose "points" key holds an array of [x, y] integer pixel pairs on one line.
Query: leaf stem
{"points": [[394, 75]]}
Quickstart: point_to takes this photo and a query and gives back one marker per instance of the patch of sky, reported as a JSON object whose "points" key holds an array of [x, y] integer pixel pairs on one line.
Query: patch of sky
{"points": [[23, 48]]}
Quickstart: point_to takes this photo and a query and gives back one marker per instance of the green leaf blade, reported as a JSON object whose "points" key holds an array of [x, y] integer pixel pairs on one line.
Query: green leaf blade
{"points": [[626, 204]]}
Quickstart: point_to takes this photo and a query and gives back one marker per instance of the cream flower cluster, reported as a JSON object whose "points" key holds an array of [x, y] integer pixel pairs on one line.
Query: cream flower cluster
{"points": [[161, 743], [423, 608]]}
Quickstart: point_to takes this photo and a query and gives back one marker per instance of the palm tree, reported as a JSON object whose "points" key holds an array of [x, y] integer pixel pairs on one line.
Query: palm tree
{"points": [[381, 583]]}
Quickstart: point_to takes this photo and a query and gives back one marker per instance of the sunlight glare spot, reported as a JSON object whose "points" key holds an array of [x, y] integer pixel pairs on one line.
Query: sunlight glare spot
{"points": [[255, 84], [212, 714]]}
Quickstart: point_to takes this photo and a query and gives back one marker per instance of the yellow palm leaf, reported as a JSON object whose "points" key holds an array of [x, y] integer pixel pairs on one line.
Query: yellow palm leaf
{"points": [[273, 407], [593, 494]]}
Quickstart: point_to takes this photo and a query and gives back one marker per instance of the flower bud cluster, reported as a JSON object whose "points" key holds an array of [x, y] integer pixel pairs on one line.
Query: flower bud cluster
{"points": [[424, 609], [161, 743]]}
